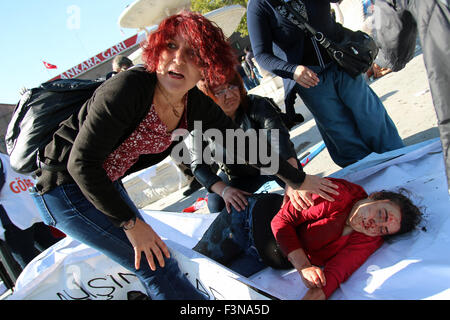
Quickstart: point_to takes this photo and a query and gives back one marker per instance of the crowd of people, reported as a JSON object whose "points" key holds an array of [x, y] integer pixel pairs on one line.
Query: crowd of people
{"points": [[324, 228]]}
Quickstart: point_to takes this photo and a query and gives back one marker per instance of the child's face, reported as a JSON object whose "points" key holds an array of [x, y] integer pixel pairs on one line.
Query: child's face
{"points": [[376, 218]]}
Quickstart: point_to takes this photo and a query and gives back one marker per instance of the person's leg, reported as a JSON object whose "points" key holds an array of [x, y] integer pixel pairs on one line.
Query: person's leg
{"points": [[248, 83], [228, 241], [43, 237], [66, 208], [433, 32], [21, 243], [336, 121], [256, 71], [215, 201], [247, 263], [289, 103], [372, 121]]}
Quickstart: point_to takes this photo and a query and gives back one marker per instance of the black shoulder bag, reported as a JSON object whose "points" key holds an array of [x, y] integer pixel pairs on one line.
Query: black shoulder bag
{"points": [[354, 52]]}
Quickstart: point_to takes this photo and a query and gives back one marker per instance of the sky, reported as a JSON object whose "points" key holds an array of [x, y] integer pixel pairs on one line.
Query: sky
{"points": [[60, 32]]}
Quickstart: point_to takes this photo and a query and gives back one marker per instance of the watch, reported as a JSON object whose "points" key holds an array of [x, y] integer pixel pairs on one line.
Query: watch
{"points": [[127, 225]]}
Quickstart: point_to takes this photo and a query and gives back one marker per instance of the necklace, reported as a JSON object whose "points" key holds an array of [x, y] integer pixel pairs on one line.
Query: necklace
{"points": [[174, 109]]}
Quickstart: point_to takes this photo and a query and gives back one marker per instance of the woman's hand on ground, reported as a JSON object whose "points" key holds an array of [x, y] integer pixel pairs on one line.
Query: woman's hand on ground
{"points": [[313, 277], [145, 239]]}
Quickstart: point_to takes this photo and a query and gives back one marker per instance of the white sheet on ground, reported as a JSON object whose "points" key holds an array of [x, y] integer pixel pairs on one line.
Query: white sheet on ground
{"points": [[415, 266]]}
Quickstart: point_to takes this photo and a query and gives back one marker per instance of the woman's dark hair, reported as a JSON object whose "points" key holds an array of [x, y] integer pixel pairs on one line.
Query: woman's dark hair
{"points": [[411, 215]]}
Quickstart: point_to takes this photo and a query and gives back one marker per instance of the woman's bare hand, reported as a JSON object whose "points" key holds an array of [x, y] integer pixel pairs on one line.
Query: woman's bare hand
{"points": [[235, 197], [313, 277], [302, 198], [306, 77], [144, 239]]}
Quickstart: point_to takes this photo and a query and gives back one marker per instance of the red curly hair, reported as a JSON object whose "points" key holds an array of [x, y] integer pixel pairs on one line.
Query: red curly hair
{"points": [[213, 53]]}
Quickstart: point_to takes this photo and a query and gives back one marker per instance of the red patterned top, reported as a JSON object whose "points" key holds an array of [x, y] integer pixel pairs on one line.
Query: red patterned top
{"points": [[150, 136]]}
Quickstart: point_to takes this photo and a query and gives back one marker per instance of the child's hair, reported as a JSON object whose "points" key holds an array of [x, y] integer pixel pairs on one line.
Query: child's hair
{"points": [[411, 215], [213, 53]]}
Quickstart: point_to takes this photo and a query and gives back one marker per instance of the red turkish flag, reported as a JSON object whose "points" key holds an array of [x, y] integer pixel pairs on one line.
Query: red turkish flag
{"points": [[49, 65]]}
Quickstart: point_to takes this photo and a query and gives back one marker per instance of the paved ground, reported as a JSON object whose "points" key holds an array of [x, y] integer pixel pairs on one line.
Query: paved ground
{"points": [[407, 99]]}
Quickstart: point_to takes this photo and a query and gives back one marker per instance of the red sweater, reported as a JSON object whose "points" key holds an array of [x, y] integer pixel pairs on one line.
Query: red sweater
{"points": [[318, 230]]}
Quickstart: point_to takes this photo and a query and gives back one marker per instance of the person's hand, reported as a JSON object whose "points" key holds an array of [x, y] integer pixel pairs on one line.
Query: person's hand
{"points": [[234, 197], [144, 239], [313, 277], [305, 77], [302, 198]]}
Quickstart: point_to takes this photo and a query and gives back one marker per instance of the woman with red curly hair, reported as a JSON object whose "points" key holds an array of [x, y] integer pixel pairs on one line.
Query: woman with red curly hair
{"points": [[127, 125], [210, 52]]}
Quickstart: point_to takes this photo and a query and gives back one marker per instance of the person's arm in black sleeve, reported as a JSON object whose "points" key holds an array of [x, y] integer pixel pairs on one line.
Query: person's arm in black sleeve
{"points": [[202, 171], [111, 112], [268, 118], [217, 120], [261, 38]]}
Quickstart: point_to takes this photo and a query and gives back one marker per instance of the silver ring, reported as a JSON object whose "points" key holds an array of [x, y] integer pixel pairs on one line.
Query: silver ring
{"points": [[319, 36], [337, 53]]}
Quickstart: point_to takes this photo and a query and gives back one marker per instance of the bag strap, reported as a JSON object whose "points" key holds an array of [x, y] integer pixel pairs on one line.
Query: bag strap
{"points": [[2, 174], [296, 18]]}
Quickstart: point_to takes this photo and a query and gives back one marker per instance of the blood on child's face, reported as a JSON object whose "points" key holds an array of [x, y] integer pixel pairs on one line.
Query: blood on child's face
{"points": [[377, 218]]}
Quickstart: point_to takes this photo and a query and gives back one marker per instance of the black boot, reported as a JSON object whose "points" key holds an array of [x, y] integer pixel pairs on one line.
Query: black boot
{"points": [[298, 118]]}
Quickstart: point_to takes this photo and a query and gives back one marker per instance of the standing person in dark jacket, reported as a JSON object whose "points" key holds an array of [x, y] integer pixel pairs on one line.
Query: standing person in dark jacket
{"points": [[237, 181], [249, 59], [127, 125], [397, 24], [120, 63], [20, 224], [349, 115], [250, 80]]}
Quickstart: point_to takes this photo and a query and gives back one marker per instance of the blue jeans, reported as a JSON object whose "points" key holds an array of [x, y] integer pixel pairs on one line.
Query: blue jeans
{"points": [[349, 115], [229, 241], [248, 183], [249, 83], [66, 208]]}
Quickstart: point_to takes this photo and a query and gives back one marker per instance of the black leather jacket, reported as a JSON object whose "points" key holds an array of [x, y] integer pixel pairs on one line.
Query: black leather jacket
{"points": [[260, 114]]}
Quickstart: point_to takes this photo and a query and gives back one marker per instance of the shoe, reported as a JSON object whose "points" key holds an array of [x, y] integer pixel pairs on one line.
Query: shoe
{"points": [[193, 186], [298, 118]]}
